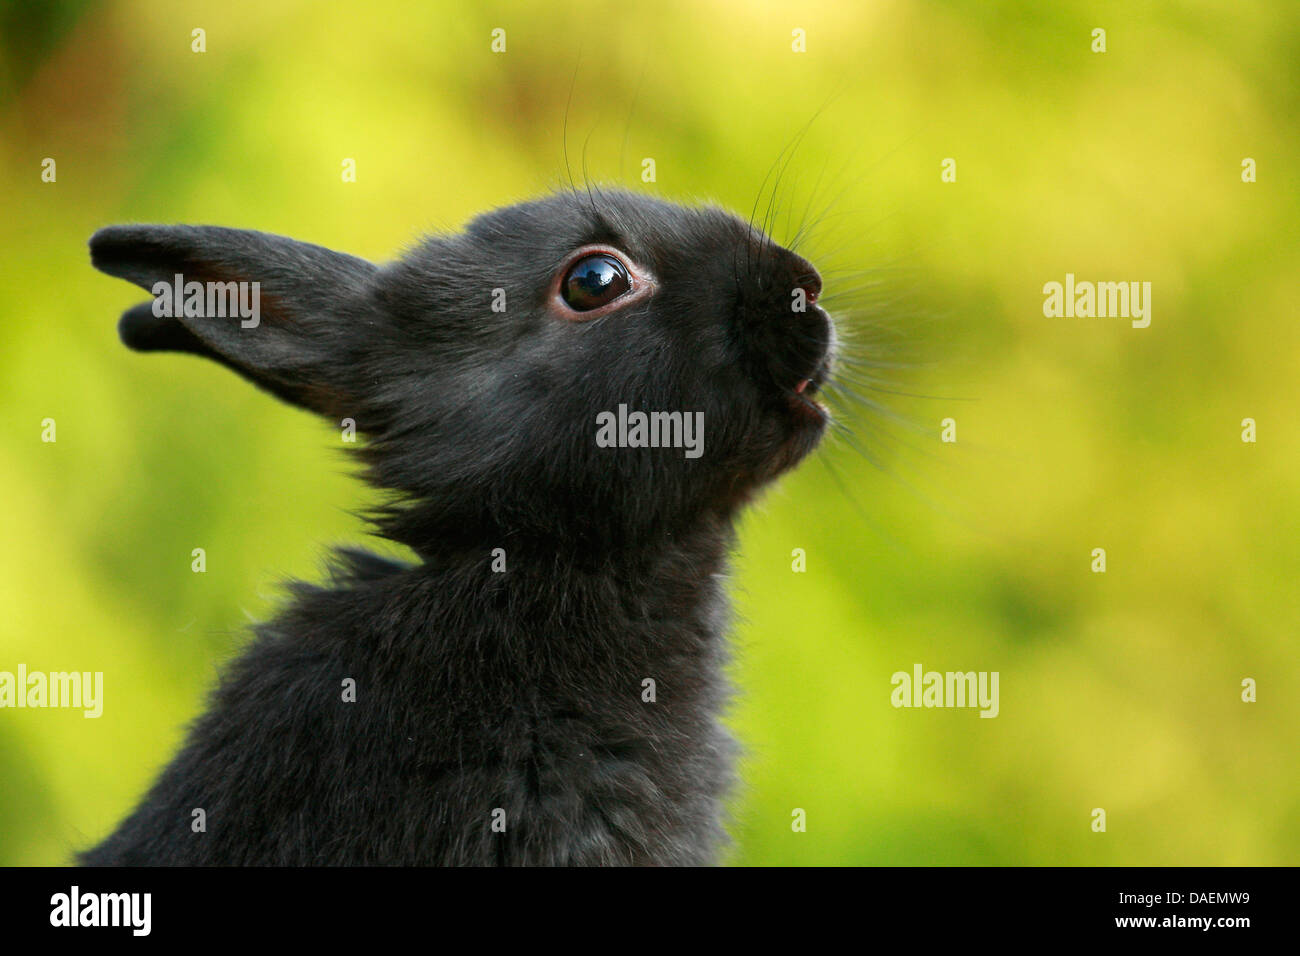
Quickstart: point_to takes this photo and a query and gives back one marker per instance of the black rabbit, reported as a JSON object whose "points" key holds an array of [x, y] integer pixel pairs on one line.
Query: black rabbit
{"points": [[544, 686]]}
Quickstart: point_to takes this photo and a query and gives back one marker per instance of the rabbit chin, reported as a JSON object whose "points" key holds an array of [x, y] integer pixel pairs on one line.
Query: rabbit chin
{"points": [[809, 419], [802, 429], [799, 440]]}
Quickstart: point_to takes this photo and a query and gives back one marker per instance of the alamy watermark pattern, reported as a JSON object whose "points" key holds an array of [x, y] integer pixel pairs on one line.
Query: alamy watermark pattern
{"points": [[213, 300], [626, 429], [58, 689], [923, 688]]}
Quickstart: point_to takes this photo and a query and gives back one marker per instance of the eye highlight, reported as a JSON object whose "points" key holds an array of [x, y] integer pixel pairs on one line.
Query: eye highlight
{"points": [[593, 281]]}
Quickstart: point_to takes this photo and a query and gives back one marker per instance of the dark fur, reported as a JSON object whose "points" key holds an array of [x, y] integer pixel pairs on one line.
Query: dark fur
{"points": [[479, 690]]}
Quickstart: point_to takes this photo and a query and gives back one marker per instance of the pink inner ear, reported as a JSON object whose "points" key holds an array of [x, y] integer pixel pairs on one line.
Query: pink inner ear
{"points": [[798, 389]]}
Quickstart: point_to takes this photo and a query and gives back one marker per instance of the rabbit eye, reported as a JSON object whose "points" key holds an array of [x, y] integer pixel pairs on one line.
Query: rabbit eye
{"points": [[593, 281]]}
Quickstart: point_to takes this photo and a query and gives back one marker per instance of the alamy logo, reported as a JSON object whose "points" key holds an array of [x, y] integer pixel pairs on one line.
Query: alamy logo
{"points": [[952, 689], [84, 689], [75, 908], [1104, 300], [212, 300], [651, 430]]}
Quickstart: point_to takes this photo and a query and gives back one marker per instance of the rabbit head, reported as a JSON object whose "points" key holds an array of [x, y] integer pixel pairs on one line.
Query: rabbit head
{"points": [[594, 366]]}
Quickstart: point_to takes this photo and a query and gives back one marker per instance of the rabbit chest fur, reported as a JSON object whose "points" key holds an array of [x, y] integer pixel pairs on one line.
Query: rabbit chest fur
{"points": [[498, 718]]}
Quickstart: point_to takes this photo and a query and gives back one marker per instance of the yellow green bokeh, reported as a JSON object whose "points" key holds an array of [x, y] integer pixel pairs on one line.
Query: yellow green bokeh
{"points": [[1119, 690]]}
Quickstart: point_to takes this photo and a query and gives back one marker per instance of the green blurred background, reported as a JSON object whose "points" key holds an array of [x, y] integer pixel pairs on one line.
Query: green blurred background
{"points": [[1118, 690]]}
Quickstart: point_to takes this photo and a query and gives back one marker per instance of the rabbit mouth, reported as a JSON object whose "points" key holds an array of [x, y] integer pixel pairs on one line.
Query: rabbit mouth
{"points": [[803, 397], [809, 386], [804, 420]]}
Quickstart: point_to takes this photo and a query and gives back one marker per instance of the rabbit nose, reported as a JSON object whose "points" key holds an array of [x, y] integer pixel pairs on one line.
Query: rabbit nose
{"points": [[811, 283]]}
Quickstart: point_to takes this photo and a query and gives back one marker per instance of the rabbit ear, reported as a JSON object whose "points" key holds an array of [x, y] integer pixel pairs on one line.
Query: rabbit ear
{"points": [[265, 306]]}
